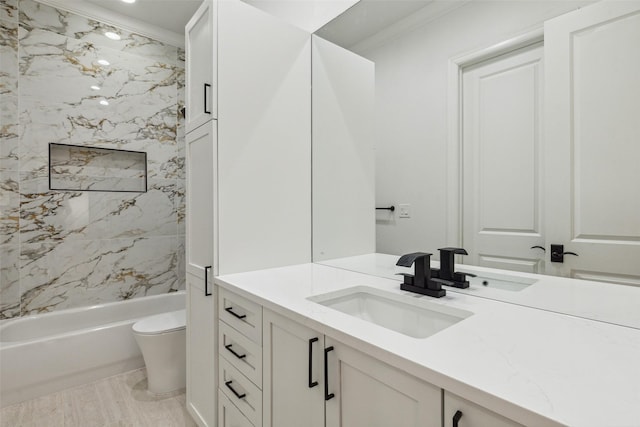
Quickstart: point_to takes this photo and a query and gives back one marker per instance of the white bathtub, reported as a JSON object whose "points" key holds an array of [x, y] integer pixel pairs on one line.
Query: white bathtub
{"points": [[49, 352]]}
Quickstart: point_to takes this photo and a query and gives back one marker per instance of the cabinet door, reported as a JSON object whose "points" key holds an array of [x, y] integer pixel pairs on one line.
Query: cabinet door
{"points": [[229, 415], [201, 360], [293, 374], [201, 159], [369, 393], [459, 412], [201, 82]]}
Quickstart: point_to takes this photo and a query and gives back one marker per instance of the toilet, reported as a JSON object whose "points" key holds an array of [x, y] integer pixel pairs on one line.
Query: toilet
{"points": [[162, 341]]}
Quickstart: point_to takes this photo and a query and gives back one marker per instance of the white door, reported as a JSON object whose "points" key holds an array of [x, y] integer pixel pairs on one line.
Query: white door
{"points": [[201, 162], [200, 66], [592, 60], [502, 168]]}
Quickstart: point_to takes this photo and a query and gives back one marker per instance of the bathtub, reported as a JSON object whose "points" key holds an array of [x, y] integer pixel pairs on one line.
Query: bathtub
{"points": [[49, 352]]}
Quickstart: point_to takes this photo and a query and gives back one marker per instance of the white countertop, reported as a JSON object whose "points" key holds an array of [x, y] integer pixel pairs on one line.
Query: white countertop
{"points": [[536, 367], [606, 302]]}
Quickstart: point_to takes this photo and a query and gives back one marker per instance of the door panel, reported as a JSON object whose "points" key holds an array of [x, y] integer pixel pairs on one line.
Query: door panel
{"points": [[592, 104], [502, 175]]}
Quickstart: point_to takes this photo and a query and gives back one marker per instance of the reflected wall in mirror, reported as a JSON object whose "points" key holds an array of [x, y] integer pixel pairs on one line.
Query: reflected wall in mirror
{"points": [[459, 133]]}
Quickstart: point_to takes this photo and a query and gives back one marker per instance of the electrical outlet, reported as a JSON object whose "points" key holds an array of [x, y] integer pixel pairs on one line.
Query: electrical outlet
{"points": [[405, 210]]}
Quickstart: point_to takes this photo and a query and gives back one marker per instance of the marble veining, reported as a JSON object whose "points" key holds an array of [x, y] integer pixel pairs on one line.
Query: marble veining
{"points": [[64, 249]]}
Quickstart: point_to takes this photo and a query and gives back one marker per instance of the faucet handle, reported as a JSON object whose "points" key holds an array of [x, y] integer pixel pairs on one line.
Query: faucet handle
{"points": [[407, 260], [455, 251]]}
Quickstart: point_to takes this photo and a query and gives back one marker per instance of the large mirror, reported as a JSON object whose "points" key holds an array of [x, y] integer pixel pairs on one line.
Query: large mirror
{"points": [[465, 95]]}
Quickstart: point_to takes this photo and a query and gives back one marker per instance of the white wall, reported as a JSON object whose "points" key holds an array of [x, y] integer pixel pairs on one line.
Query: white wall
{"points": [[411, 110], [310, 15], [343, 157]]}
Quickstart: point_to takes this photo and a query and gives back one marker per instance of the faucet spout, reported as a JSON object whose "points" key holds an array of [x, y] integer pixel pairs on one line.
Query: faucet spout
{"points": [[420, 282]]}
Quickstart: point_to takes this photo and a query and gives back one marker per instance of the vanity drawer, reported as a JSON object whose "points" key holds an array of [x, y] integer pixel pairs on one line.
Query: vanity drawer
{"points": [[241, 314], [229, 415], [245, 395], [241, 352]]}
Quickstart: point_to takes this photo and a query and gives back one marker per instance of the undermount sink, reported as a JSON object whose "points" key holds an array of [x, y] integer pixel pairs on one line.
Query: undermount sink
{"points": [[405, 314], [499, 281]]}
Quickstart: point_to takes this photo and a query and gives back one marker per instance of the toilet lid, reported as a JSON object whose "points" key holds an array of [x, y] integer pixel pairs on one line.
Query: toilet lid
{"points": [[161, 323]]}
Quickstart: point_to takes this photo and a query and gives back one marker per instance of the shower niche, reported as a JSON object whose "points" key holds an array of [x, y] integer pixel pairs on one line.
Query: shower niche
{"points": [[81, 168]]}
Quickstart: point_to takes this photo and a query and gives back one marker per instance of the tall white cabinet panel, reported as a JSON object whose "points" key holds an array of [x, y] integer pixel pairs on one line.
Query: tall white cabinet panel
{"points": [[264, 110], [343, 152], [592, 132], [201, 69], [201, 364], [201, 161], [201, 264], [502, 168]]}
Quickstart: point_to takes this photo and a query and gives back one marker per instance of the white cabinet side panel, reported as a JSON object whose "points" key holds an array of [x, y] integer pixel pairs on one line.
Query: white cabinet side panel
{"points": [[264, 134]]}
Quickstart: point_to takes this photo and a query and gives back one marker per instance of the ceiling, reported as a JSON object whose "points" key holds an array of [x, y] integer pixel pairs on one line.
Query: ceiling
{"points": [[170, 15]]}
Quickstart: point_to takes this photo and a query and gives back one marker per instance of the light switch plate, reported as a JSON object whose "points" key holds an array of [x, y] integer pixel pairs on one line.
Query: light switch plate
{"points": [[405, 210]]}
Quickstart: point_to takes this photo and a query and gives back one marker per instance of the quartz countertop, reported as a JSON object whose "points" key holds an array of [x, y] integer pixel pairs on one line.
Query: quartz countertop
{"points": [[536, 367], [606, 302]]}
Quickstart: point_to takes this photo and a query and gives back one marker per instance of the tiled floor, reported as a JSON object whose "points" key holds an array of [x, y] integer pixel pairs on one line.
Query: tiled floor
{"points": [[121, 401]]}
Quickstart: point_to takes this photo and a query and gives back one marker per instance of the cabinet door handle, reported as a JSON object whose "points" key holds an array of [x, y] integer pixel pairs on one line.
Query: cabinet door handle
{"points": [[327, 395], [239, 356], [456, 418], [206, 85], [234, 314], [238, 395], [206, 281], [312, 383]]}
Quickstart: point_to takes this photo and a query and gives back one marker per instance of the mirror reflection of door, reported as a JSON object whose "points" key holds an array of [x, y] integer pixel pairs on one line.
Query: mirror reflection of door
{"points": [[586, 160], [501, 166]]}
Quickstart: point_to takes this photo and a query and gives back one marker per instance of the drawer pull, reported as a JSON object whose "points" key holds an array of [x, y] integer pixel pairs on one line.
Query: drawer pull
{"points": [[238, 395], [234, 314], [239, 356], [327, 395], [456, 418], [312, 383]]}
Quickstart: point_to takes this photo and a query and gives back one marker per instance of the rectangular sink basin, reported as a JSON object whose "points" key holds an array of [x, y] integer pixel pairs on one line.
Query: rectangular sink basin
{"points": [[499, 281], [406, 314]]}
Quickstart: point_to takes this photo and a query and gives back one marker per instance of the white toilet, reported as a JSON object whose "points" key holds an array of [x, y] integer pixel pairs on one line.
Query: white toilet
{"points": [[162, 341]]}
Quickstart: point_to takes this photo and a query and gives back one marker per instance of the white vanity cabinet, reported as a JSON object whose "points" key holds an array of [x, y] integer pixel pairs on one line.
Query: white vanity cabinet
{"points": [[459, 412], [313, 380], [201, 71]]}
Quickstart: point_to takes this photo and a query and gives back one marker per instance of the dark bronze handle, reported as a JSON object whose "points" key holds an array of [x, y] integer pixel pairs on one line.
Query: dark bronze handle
{"points": [[539, 247], [558, 253], [312, 383], [238, 395], [206, 85], [456, 418], [327, 395], [236, 315], [239, 356], [390, 208], [206, 282]]}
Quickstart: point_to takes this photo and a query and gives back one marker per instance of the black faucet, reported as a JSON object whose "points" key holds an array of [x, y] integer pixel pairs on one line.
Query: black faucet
{"points": [[446, 274], [421, 281]]}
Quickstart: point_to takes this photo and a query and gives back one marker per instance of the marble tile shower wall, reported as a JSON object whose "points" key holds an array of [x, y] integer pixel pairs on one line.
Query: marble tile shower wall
{"points": [[62, 249]]}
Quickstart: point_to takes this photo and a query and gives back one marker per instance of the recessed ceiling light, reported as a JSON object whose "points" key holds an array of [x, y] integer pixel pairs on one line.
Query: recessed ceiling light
{"points": [[129, 1], [104, 102], [112, 35], [95, 87], [103, 62]]}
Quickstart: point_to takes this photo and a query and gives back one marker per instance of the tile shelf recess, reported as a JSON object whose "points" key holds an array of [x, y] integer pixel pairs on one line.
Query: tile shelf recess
{"points": [[82, 168]]}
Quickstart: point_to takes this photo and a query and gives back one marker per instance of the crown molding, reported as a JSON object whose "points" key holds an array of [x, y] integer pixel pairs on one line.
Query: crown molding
{"points": [[92, 11], [431, 12]]}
